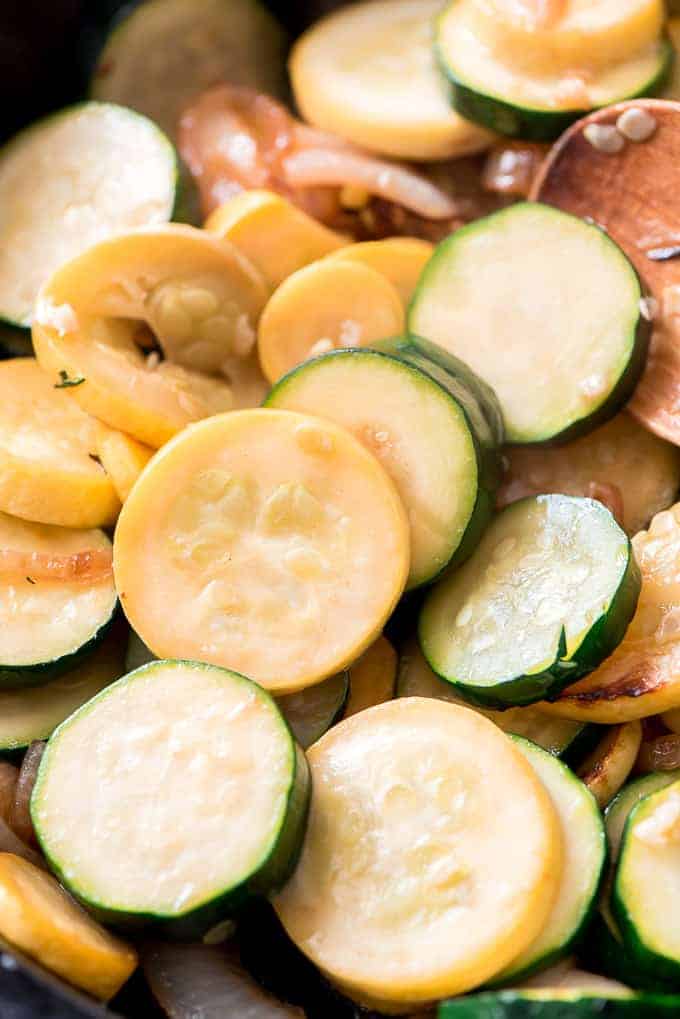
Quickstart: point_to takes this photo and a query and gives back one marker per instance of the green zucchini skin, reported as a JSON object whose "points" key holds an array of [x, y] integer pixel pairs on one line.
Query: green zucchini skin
{"points": [[525, 1005], [602, 949]]}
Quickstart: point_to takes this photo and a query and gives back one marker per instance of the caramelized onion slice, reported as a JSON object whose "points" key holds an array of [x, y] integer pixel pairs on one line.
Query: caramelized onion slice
{"points": [[20, 813], [8, 780], [660, 754], [90, 565]]}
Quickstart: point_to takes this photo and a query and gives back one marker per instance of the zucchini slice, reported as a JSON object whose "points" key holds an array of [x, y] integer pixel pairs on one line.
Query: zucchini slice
{"points": [[620, 457], [400, 259], [328, 304], [69, 181], [42, 920], [608, 767], [642, 677], [417, 425], [354, 905], [311, 712], [28, 715], [372, 677], [198, 295], [53, 611], [152, 838], [261, 528], [623, 803], [48, 466], [505, 276], [532, 78], [585, 855], [597, 997], [547, 595], [122, 457], [167, 51], [646, 896], [559, 736], [367, 73]]}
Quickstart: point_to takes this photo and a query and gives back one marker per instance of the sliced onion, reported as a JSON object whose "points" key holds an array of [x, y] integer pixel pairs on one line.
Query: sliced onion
{"points": [[660, 754], [92, 564], [510, 168], [207, 982], [8, 780], [9, 843], [20, 813]]}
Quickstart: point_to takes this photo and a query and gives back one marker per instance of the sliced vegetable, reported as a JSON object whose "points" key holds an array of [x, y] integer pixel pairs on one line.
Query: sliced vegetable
{"points": [[620, 456], [311, 712], [329, 304], [48, 469], [8, 780], [355, 902], [400, 259], [546, 596], [166, 51], [560, 737], [510, 167], [661, 753], [199, 296], [642, 677], [47, 624], [605, 951], [597, 997], [42, 920], [283, 524], [20, 815], [585, 854], [277, 237], [161, 842], [515, 267], [69, 181], [27, 715], [530, 70], [11, 843], [372, 677], [608, 767], [645, 894], [426, 428], [367, 73], [623, 803], [122, 457]]}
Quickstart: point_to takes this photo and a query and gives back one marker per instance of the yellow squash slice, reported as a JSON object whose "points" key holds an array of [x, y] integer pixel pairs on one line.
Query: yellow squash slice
{"points": [[400, 259], [642, 677], [368, 73], [432, 858], [372, 678], [122, 457], [277, 237], [332, 303], [196, 293], [42, 920], [268, 542], [48, 468]]}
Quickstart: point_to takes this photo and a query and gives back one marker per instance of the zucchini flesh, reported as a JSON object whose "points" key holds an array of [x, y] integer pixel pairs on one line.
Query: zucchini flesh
{"points": [[69, 181], [547, 595], [46, 625], [311, 712], [503, 277], [559, 736], [167, 51], [396, 409], [180, 844]]}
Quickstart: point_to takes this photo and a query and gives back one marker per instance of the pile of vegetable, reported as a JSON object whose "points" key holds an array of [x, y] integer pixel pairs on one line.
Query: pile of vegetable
{"points": [[339, 542]]}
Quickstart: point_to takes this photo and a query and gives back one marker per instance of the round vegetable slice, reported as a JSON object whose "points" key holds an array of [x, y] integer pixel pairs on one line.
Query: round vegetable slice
{"points": [[197, 294], [68, 182], [645, 894], [642, 677], [507, 273], [585, 854], [367, 73], [559, 736], [355, 902], [595, 998], [147, 838], [48, 467], [416, 422], [260, 527], [50, 615], [42, 920], [372, 677], [620, 807], [400, 259], [311, 712], [326, 305], [277, 237], [166, 51], [620, 460], [606, 770], [530, 70], [122, 457], [547, 595]]}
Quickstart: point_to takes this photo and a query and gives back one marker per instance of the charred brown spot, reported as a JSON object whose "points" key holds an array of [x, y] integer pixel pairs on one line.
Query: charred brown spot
{"points": [[638, 681]]}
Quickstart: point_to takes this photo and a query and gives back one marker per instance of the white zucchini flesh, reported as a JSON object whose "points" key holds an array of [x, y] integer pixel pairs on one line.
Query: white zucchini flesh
{"points": [[70, 181], [368, 73], [417, 801], [620, 807], [506, 292], [188, 781], [585, 854]]}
